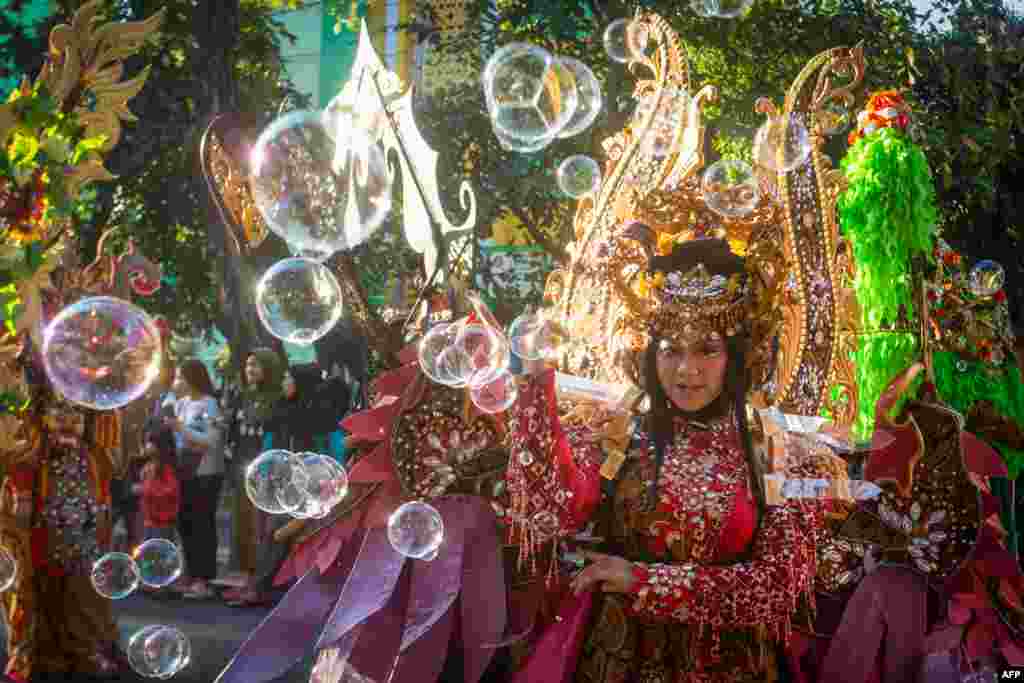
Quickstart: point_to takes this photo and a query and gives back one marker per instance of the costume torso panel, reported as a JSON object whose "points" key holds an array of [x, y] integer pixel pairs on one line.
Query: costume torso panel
{"points": [[71, 510]]}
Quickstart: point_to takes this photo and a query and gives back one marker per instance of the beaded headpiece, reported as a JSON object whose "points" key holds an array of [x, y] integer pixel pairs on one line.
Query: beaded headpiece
{"points": [[700, 289]]}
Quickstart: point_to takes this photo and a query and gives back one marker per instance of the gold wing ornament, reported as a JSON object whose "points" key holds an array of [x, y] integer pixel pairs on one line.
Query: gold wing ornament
{"points": [[795, 257]]}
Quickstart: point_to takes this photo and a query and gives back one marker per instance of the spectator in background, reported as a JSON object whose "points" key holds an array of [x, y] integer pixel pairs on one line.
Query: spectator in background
{"points": [[197, 429], [295, 424], [160, 491], [247, 415]]}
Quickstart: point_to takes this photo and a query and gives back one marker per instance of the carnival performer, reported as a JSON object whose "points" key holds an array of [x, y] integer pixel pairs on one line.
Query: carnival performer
{"points": [[56, 620]]}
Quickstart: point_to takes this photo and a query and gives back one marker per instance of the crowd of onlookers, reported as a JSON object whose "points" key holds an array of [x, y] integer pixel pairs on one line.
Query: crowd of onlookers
{"points": [[194, 449]]}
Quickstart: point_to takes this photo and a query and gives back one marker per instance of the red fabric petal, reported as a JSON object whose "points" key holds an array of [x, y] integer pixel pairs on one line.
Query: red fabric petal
{"points": [[980, 458], [372, 425], [960, 615], [980, 641], [375, 467], [1013, 652]]}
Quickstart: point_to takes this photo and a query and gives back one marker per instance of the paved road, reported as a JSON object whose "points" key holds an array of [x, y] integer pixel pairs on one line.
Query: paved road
{"points": [[216, 632]]}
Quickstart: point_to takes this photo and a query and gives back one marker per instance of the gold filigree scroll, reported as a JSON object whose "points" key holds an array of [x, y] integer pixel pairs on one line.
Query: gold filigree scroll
{"points": [[817, 317], [84, 71], [235, 192]]}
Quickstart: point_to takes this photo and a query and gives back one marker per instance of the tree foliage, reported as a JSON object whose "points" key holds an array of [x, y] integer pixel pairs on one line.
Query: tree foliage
{"points": [[968, 88], [211, 56]]}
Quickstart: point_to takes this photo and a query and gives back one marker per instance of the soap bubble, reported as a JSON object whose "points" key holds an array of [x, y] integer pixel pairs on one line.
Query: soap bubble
{"points": [[326, 482], [578, 176], [8, 569], [115, 576], [589, 98], [531, 95], [721, 9], [274, 481], [320, 190], [432, 351], [102, 352], [298, 300], [522, 146], [533, 337], [625, 40], [782, 144], [485, 353], [416, 530], [730, 188], [159, 562], [158, 651], [497, 395], [986, 278]]}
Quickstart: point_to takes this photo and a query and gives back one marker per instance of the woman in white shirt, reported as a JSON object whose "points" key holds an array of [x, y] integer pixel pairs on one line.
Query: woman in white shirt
{"points": [[197, 428]]}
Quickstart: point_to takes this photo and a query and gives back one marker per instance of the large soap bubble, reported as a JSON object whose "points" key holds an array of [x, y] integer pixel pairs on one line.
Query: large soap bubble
{"points": [[531, 95], [298, 300], [484, 351], [275, 482], [730, 188], [416, 530], [158, 651], [782, 144], [496, 396], [589, 98], [320, 190], [432, 349], [533, 336], [102, 352], [986, 278], [115, 576], [159, 561], [625, 40], [578, 176]]}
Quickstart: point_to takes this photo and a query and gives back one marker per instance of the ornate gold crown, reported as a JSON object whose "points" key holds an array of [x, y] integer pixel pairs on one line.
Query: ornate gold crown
{"points": [[683, 305]]}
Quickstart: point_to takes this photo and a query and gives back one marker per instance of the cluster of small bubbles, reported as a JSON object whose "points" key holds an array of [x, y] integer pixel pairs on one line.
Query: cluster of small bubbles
{"points": [[782, 144], [588, 95], [274, 481], [496, 396], [463, 354], [115, 576], [158, 651], [416, 530], [578, 176], [531, 96], [326, 484], [730, 188], [159, 561], [299, 300], [667, 114], [721, 9], [986, 279], [303, 485], [834, 117], [102, 352], [625, 40], [532, 336], [321, 185], [8, 569]]}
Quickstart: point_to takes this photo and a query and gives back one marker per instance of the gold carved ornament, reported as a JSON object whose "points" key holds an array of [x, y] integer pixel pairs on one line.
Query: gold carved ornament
{"points": [[797, 278]]}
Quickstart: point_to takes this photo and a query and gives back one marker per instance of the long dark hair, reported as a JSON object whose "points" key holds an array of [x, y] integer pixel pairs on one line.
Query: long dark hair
{"points": [[660, 423], [197, 377], [163, 438]]}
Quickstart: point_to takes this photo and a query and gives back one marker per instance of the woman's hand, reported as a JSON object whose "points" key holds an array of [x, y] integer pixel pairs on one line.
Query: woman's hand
{"points": [[613, 573]]}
